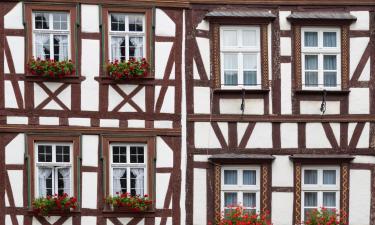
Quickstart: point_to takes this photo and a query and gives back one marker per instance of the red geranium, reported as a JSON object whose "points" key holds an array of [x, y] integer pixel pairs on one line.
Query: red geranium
{"points": [[132, 68], [135, 203], [50, 68], [325, 216], [44, 205]]}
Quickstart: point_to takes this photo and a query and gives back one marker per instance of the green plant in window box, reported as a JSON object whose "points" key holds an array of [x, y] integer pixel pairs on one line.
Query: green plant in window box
{"points": [[237, 215], [325, 216], [133, 68], [50, 68], [56, 203], [128, 202]]}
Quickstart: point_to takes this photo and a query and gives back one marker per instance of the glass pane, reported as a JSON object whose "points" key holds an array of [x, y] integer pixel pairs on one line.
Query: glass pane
{"points": [[311, 62], [117, 22], [45, 181], [60, 21], [249, 177], [330, 79], [249, 200], [136, 47], [329, 39], [135, 23], [230, 199], [62, 154], [137, 181], [249, 62], [230, 78], [330, 62], [311, 79], [118, 48], [329, 176], [329, 199], [136, 154], [63, 181], [310, 177], [250, 78], [44, 153], [42, 21], [249, 38], [230, 177], [119, 180], [311, 199], [230, 38], [42, 46], [311, 39], [60, 47], [230, 62], [119, 154]]}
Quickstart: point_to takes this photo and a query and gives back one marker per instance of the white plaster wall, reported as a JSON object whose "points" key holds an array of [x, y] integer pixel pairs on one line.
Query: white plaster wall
{"points": [[89, 182], [359, 101], [363, 20], [16, 183], [203, 25], [169, 220], [261, 136], [168, 102], [48, 120], [201, 158], [114, 98], [195, 71], [8, 220], [90, 18], [40, 95], [284, 23], [364, 159], [88, 220], [316, 137], [164, 154], [13, 19], [17, 50], [365, 75], [109, 123], [357, 47], [6, 67], [10, 96], [162, 51], [313, 107], [164, 26], [282, 208], [285, 46], [163, 124], [224, 130], [233, 106], [15, 150], [35, 221], [136, 123], [336, 131], [79, 122], [162, 181], [204, 136], [359, 197], [17, 120], [286, 85], [202, 100], [364, 139], [289, 135], [282, 172], [90, 145], [204, 49], [90, 68], [200, 197]]}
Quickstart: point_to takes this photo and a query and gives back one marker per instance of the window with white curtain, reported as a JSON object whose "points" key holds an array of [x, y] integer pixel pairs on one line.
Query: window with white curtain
{"points": [[51, 35], [240, 57], [126, 36], [240, 186], [53, 163], [320, 188], [128, 169], [321, 58]]}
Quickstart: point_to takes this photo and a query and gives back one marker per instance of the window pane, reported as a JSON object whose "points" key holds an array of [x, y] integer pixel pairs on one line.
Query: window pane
{"points": [[249, 177], [311, 79], [230, 38], [119, 180], [136, 154], [230, 177], [60, 47], [330, 79], [249, 200], [311, 62], [249, 38], [63, 182], [42, 46], [329, 39], [249, 61], [45, 181], [329, 176], [311, 199], [249, 211], [137, 181], [118, 48], [230, 62], [135, 23], [44, 153], [230, 78], [136, 47], [62, 154], [311, 177], [311, 39], [42, 21], [329, 199], [330, 62], [117, 22], [60, 21], [230, 199], [250, 78], [119, 154]]}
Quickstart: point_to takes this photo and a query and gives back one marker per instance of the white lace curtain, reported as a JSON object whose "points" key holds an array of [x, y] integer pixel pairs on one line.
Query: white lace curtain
{"points": [[116, 43], [139, 181], [63, 46], [65, 173], [41, 42], [44, 173], [137, 43], [117, 174]]}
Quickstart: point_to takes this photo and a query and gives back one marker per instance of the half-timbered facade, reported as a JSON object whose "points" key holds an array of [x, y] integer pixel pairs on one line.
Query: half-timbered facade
{"points": [[267, 104]]}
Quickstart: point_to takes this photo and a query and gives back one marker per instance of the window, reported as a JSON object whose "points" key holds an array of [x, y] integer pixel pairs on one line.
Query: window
{"points": [[240, 56], [320, 188], [240, 185], [51, 35], [126, 36], [53, 163], [128, 168], [321, 55]]}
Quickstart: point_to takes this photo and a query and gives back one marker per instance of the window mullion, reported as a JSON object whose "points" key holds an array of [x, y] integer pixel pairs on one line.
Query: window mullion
{"points": [[127, 47]]}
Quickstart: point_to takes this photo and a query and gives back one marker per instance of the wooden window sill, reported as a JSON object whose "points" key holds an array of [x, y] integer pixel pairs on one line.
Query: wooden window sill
{"points": [[55, 213], [67, 79], [240, 91], [141, 80], [321, 92], [127, 213]]}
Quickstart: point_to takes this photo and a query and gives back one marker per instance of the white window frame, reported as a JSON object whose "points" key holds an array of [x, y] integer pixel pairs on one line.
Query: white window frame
{"points": [[55, 166], [126, 34], [240, 189], [320, 188], [51, 32], [320, 51], [128, 165], [240, 51]]}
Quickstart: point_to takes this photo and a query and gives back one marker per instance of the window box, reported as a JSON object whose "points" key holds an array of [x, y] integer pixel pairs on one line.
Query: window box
{"points": [[131, 69], [51, 69], [62, 204], [127, 203]]}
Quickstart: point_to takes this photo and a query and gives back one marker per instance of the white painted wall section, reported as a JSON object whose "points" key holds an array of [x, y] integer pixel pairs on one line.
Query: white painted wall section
{"points": [[164, 25], [200, 197], [359, 197], [162, 182], [282, 208], [164, 154], [17, 120], [313, 107], [90, 18], [233, 106], [17, 50], [202, 100], [48, 120], [89, 182], [204, 49], [90, 145], [10, 96], [162, 50], [316, 137], [282, 172], [13, 19], [363, 20], [286, 85], [289, 135], [16, 183], [261, 136], [359, 101], [204, 136], [88, 220], [284, 23], [357, 47], [285, 46], [15, 150]]}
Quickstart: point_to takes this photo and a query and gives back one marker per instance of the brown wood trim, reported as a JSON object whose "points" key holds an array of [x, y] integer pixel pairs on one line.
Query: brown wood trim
{"points": [[215, 54], [33, 138], [297, 194], [344, 190], [359, 33], [264, 55], [92, 35], [297, 73], [285, 59], [282, 189], [345, 48]]}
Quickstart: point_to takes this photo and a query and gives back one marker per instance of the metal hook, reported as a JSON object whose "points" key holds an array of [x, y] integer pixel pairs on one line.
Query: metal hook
{"points": [[243, 101], [323, 106]]}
